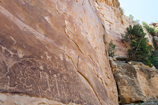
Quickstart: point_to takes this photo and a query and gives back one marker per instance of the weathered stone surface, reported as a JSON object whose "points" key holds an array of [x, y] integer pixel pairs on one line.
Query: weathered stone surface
{"points": [[112, 3], [15, 99], [116, 23], [135, 82], [55, 49]]}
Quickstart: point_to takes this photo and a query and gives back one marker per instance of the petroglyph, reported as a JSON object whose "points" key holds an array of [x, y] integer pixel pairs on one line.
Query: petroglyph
{"points": [[43, 52], [36, 78], [13, 39]]}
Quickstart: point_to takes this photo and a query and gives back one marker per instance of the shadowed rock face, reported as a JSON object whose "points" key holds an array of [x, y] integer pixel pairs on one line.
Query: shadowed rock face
{"points": [[55, 49]]}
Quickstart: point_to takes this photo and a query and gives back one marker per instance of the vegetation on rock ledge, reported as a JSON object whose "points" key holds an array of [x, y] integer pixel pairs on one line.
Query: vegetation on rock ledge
{"points": [[111, 49], [139, 50], [150, 29]]}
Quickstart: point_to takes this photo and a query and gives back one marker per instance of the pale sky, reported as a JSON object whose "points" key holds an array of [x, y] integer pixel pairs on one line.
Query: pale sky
{"points": [[143, 10]]}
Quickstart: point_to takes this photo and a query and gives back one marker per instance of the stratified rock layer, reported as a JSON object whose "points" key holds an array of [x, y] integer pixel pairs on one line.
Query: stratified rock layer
{"points": [[136, 82], [55, 49]]}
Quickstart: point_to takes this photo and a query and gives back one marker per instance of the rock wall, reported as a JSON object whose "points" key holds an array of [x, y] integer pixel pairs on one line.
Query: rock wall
{"points": [[136, 82], [155, 37], [116, 23], [55, 49], [15, 99]]}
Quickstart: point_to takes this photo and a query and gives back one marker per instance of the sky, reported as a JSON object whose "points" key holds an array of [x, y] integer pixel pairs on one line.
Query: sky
{"points": [[143, 10]]}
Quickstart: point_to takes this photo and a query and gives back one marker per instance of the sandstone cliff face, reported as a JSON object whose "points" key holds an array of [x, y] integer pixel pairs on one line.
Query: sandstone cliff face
{"points": [[15, 99], [155, 37], [136, 82], [116, 23], [54, 49]]}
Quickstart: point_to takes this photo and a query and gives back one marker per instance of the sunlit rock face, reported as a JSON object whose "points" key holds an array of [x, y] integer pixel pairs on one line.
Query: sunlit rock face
{"points": [[136, 82], [116, 23], [55, 49]]}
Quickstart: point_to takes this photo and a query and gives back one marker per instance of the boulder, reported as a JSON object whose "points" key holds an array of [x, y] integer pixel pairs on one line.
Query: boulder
{"points": [[136, 82]]}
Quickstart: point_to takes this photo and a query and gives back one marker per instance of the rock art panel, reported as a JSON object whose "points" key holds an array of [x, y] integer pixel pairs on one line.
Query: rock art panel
{"points": [[55, 49], [15, 99]]}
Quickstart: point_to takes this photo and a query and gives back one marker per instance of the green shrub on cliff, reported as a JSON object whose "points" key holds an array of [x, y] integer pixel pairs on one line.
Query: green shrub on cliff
{"points": [[150, 29], [139, 50], [156, 30], [111, 49], [153, 57]]}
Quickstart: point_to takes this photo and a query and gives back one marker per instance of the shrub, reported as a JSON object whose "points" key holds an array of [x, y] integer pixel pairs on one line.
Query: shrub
{"points": [[150, 29], [111, 49], [153, 57], [156, 30]]}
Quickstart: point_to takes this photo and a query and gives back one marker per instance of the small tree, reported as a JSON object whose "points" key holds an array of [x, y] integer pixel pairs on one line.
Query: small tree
{"points": [[111, 49], [139, 50]]}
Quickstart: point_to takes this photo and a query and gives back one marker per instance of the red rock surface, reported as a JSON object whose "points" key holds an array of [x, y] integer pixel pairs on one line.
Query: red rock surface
{"points": [[55, 49]]}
